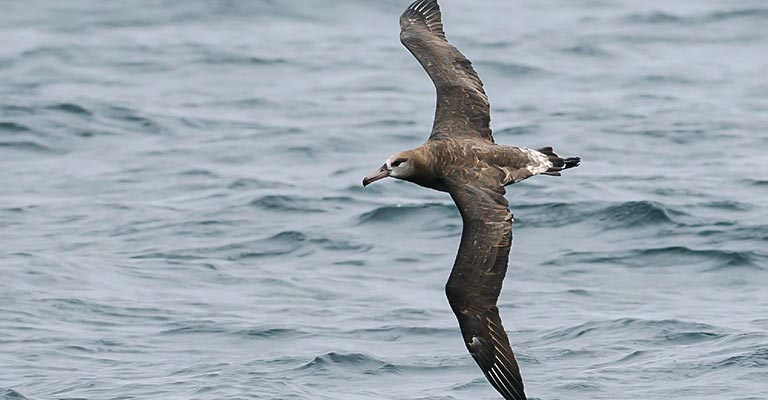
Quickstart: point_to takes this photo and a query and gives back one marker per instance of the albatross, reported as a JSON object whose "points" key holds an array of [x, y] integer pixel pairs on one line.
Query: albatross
{"points": [[461, 158]]}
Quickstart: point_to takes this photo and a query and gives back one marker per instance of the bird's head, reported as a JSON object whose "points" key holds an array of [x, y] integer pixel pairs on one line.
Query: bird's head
{"points": [[402, 165]]}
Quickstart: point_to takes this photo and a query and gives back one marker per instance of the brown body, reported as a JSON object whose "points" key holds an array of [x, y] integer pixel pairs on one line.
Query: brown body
{"points": [[461, 158], [468, 160]]}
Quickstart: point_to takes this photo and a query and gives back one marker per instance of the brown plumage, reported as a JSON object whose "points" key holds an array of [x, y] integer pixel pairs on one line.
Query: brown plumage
{"points": [[461, 158]]}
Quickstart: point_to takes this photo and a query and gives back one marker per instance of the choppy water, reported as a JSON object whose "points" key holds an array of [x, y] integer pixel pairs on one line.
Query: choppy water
{"points": [[182, 216]]}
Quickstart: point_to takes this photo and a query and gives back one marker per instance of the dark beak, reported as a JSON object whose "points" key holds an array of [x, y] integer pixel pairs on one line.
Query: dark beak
{"points": [[381, 173]]}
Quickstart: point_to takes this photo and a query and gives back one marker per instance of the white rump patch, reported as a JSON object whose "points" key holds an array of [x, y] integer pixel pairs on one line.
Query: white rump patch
{"points": [[539, 162]]}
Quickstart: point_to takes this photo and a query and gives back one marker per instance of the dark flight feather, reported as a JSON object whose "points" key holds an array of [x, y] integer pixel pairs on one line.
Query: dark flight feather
{"points": [[476, 279], [462, 106]]}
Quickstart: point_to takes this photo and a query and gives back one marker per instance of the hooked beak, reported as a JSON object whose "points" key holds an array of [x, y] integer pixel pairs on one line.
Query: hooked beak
{"points": [[381, 173]]}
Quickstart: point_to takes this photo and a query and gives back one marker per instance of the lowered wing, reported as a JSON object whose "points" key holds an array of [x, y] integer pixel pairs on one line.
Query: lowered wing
{"points": [[475, 283]]}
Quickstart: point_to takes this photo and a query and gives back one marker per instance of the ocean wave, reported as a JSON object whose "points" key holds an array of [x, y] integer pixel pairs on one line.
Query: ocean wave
{"points": [[725, 257], [10, 394], [661, 17], [252, 183], [630, 214], [663, 79], [287, 242], [401, 213], [637, 213], [53, 122], [758, 182], [711, 259], [512, 69], [208, 327], [757, 358], [269, 333], [70, 108], [654, 17], [132, 118], [386, 123], [739, 14], [587, 50], [196, 327], [15, 110], [219, 58], [395, 333], [670, 331], [348, 360], [288, 203], [9, 126], [29, 146], [198, 172], [726, 232], [729, 205], [355, 363]]}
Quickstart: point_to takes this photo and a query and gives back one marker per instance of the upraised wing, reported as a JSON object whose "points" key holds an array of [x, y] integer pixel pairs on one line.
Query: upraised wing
{"points": [[462, 105], [476, 279]]}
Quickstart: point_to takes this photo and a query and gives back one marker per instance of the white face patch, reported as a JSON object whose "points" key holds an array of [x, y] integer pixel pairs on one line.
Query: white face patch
{"points": [[389, 162], [400, 170], [539, 162]]}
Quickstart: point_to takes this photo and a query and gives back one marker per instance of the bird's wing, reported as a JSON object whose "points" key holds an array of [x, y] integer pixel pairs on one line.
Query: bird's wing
{"points": [[476, 280], [462, 105]]}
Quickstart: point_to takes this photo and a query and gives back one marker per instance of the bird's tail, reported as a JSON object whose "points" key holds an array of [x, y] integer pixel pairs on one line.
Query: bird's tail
{"points": [[558, 163]]}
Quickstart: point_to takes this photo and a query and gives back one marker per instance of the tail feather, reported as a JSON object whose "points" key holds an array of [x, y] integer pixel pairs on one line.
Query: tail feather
{"points": [[558, 163], [571, 162]]}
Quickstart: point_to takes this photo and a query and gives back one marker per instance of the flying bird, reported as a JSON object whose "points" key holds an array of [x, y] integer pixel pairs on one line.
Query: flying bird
{"points": [[461, 158]]}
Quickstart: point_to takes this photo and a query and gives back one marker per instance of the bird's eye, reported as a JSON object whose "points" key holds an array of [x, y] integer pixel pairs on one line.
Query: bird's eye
{"points": [[397, 162]]}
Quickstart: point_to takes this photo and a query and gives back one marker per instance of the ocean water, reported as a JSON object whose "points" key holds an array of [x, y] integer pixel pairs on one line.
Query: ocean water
{"points": [[181, 215]]}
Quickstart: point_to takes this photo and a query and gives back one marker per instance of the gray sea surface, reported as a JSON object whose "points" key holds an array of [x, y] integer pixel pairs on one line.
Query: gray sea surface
{"points": [[181, 215]]}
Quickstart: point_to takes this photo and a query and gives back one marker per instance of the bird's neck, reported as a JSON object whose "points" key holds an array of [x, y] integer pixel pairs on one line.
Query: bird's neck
{"points": [[427, 168]]}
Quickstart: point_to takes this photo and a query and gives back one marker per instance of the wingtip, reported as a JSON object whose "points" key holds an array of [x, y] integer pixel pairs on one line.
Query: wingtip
{"points": [[426, 11], [421, 5], [422, 8]]}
